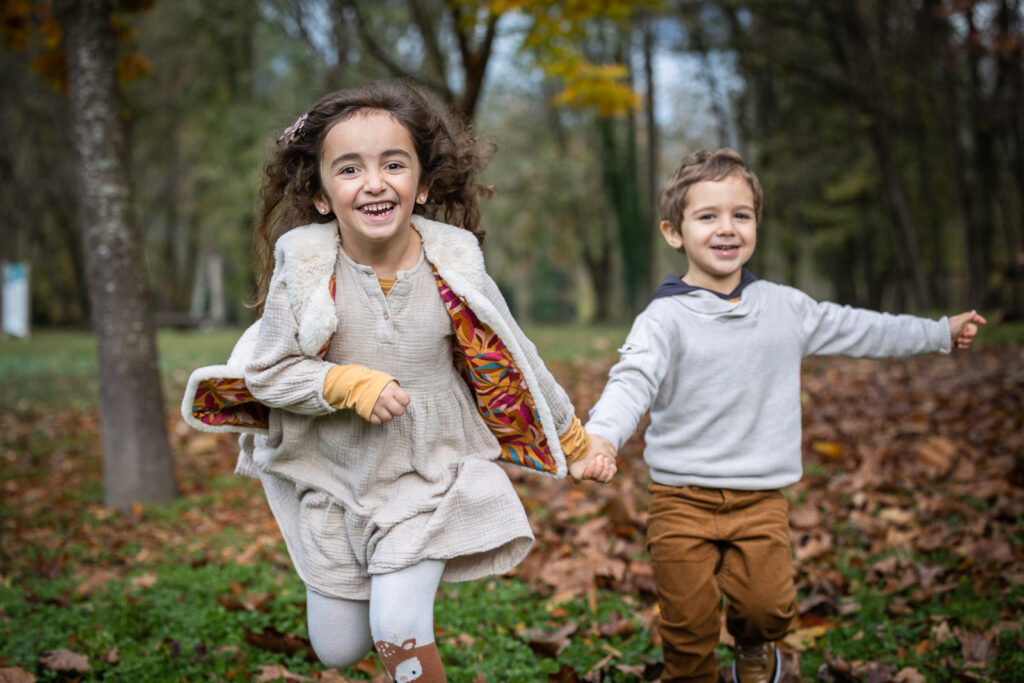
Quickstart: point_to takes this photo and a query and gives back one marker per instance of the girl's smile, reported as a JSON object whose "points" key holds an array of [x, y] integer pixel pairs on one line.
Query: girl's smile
{"points": [[378, 211]]}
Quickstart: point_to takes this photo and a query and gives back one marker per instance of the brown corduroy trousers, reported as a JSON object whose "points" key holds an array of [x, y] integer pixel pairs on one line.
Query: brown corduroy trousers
{"points": [[708, 542]]}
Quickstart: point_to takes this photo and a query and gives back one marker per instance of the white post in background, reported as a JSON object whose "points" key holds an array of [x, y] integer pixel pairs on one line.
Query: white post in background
{"points": [[15, 299]]}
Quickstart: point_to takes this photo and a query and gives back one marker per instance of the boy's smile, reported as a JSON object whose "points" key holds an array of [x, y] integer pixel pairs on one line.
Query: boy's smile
{"points": [[718, 232]]}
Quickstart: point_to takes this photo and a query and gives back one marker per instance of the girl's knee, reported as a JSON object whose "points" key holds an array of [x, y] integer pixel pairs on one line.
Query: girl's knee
{"points": [[339, 629], [340, 650]]}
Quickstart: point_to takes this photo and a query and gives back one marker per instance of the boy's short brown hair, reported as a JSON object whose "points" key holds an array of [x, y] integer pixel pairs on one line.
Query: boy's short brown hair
{"points": [[696, 168]]}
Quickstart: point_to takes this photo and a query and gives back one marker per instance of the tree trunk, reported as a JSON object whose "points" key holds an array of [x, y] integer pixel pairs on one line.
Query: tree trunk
{"points": [[908, 255], [619, 173], [651, 165], [137, 463]]}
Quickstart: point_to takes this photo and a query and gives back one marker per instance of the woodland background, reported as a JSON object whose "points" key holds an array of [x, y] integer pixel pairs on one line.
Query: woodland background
{"points": [[889, 137]]}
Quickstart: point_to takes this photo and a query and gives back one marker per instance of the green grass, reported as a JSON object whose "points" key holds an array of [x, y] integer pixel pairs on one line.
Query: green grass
{"points": [[61, 366], [179, 628]]}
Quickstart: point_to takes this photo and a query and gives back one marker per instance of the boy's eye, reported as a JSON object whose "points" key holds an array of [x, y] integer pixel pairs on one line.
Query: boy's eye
{"points": [[743, 215], [705, 216]]}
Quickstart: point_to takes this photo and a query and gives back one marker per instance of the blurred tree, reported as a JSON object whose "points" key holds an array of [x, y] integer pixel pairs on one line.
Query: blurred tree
{"points": [[137, 463], [929, 95], [414, 38], [199, 128], [588, 49], [38, 211]]}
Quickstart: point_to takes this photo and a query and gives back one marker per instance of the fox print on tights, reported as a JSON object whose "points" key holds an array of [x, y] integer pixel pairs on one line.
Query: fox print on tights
{"points": [[406, 662]]}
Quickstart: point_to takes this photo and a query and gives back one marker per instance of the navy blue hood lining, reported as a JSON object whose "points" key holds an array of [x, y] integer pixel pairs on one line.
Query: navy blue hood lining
{"points": [[674, 285]]}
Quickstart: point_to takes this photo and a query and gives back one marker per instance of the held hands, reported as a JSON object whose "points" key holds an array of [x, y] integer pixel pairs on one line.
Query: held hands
{"points": [[963, 328], [390, 404], [598, 464]]}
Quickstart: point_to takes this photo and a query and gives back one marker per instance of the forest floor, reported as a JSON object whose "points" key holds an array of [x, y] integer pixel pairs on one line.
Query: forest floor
{"points": [[907, 531]]}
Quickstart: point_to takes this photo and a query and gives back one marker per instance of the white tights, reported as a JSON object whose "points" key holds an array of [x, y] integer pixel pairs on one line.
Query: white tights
{"points": [[401, 607]]}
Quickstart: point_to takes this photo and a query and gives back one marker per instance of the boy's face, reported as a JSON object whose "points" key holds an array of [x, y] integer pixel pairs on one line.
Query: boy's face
{"points": [[718, 232]]}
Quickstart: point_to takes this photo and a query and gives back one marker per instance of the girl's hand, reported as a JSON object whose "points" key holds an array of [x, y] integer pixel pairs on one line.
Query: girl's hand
{"points": [[390, 404], [598, 464], [963, 328]]}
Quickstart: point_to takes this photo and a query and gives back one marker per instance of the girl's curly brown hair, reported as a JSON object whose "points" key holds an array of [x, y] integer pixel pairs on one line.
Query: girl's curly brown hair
{"points": [[449, 153]]}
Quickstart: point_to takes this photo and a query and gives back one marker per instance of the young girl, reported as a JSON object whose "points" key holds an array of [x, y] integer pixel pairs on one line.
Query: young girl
{"points": [[385, 377]]}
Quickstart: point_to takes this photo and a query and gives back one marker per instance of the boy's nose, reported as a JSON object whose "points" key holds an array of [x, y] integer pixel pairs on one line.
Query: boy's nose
{"points": [[725, 226]]}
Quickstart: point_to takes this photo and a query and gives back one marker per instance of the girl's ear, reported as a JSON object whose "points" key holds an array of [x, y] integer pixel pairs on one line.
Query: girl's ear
{"points": [[423, 193], [321, 203]]}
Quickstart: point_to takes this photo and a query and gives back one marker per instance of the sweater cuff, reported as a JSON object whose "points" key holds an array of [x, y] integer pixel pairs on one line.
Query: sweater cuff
{"points": [[356, 387], [575, 442]]}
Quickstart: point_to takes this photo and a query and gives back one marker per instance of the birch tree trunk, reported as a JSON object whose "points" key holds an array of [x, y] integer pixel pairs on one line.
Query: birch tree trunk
{"points": [[137, 463]]}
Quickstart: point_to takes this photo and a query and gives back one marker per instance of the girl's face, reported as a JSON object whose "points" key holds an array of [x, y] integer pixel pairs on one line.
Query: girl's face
{"points": [[370, 178]]}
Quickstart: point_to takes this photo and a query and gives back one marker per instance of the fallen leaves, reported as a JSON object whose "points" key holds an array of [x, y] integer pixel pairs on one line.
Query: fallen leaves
{"points": [[275, 641], [905, 462]]}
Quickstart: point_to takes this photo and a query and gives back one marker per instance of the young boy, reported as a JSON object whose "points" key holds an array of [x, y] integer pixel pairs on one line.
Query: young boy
{"points": [[715, 358]]}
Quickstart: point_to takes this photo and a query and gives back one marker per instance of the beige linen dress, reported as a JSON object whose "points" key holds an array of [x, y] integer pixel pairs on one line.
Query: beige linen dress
{"points": [[377, 498]]}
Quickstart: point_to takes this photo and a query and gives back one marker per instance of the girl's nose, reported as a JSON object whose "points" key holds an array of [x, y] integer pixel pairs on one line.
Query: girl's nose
{"points": [[374, 181]]}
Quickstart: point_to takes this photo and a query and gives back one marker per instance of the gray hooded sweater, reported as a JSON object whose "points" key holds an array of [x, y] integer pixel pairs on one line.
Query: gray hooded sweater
{"points": [[721, 378]]}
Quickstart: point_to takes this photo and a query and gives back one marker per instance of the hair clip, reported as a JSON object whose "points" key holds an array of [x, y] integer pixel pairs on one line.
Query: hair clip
{"points": [[293, 130]]}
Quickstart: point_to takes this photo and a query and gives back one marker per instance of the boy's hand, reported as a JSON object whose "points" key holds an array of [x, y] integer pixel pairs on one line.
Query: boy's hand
{"points": [[598, 464], [963, 328], [390, 404]]}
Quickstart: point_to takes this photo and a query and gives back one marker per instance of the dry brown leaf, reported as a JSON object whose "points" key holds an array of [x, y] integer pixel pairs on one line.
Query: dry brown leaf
{"points": [[273, 640], [332, 676], [16, 675], [144, 580], [977, 648], [937, 454], [806, 517], [64, 660], [829, 449], [95, 578], [277, 672], [548, 644], [909, 675]]}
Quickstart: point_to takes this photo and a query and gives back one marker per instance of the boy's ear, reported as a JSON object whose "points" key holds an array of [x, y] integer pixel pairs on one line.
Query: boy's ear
{"points": [[671, 235]]}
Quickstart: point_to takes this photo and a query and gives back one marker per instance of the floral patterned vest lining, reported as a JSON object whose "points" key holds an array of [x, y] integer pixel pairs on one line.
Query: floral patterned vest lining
{"points": [[502, 397]]}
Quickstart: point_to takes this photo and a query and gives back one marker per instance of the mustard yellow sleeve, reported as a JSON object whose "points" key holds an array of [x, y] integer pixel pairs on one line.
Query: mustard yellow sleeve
{"points": [[356, 387], [575, 442]]}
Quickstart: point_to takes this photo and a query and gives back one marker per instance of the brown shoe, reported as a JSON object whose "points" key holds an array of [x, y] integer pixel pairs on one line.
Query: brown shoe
{"points": [[756, 662]]}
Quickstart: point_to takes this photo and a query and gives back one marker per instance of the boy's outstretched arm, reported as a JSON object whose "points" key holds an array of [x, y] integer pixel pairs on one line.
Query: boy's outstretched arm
{"points": [[598, 464], [963, 328]]}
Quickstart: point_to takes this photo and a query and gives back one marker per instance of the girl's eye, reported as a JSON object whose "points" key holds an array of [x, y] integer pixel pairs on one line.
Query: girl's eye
{"points": [[347, 170], [393, 166]]}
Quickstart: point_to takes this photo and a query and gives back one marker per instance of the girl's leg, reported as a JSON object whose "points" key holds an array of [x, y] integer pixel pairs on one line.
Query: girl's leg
{"points": [[339, 629], [402, 622]]}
